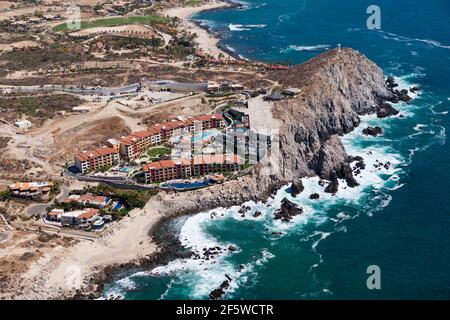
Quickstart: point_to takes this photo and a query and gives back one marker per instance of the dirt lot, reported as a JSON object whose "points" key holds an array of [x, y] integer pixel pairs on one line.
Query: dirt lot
{"points": [[4, 142], [38, 107]]}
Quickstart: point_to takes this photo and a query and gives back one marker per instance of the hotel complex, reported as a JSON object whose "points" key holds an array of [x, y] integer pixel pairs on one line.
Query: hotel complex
{"points": [[96, 159], [133, 145], [176, 169]]}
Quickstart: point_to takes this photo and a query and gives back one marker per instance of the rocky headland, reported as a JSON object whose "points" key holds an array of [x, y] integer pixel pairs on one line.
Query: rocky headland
{"points": [[337, 87]]}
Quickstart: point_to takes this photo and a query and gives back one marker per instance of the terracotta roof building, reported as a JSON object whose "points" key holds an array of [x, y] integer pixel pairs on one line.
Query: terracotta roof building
{"points": [[159, 171], [135, 144], [96, 159]]}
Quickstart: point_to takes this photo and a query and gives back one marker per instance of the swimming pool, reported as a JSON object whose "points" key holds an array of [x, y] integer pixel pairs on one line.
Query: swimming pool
{"points": [[188, 185]]}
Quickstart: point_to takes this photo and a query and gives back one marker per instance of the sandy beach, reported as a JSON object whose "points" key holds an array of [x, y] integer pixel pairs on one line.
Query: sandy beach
{"points": [[60, 272], [205, 40]]}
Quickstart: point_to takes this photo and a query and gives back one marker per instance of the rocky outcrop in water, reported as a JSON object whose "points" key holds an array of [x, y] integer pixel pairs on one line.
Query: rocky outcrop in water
{"points": [[386, 110], [336, 88], [297, 188], [314, 196], [373, 131], [287, 211]]}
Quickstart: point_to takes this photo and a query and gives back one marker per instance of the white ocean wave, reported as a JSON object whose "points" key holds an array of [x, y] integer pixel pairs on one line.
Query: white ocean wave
{"points": [[201, 277], [245, 27], [396, 37], [306, 48]]}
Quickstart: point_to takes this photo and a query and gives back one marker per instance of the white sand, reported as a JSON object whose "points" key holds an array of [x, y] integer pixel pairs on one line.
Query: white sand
{"points": [[205, 40], [55, 274]]}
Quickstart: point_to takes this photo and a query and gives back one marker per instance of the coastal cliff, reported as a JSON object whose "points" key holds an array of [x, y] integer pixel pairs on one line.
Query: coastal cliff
{"points": [[337, 87]]}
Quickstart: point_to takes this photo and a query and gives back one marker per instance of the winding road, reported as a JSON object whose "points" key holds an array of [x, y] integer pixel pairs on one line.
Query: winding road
{"points": [[38, 209]]}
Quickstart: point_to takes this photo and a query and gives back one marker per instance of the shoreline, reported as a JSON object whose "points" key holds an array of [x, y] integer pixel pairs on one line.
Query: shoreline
{"points": [[136, 241], [206, 40]]}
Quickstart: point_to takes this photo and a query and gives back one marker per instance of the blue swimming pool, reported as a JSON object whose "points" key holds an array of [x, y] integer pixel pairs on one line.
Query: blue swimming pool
{"points": [[204, 135], [188, 185], [118, 206]]}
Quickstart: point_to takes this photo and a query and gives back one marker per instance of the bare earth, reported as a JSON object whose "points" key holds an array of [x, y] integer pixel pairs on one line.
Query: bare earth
{"points": [[51, 277]]}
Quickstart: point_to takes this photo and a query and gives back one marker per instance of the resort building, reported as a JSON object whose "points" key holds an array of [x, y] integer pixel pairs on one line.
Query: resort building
{"points": [[30, 189], [159, 171], [96, 159], [54, 215], [113, 143], [88, 200], [224, 86], [79, 216], [135, 144], [23, 124]]}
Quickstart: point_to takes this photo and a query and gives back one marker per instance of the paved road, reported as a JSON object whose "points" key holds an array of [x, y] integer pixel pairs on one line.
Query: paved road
{"points": [[38, 209], [76, 89], [4, 236]]}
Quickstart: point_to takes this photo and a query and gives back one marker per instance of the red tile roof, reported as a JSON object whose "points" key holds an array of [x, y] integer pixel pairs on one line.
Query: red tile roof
{"points": [[86, 155]]}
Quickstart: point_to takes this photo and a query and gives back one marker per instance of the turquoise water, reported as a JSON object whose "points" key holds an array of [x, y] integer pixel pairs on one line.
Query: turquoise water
{"points": [[398, 219]]}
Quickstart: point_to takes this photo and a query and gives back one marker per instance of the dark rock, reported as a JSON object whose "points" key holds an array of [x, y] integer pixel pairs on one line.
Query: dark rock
{"points": [[346, 173], [297, 188], [390, 82], [386, 110], [216, 294], [257, 214], [373, 131], [360, 165], [333, 186], [403, 95], [351, 159], [232, 248], [314, 196], [225, 285], [414, 89], [287, 211]]}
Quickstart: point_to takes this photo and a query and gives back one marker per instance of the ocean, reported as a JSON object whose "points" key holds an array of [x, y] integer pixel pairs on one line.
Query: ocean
{"points": [[397, 219]]}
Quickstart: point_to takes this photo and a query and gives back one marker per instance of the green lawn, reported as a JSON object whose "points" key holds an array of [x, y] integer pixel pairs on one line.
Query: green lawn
{"points": [[155, 153], [192, 2], [117, 21]]}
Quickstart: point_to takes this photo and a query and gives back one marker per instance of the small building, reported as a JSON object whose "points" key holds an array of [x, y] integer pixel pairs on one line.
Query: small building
{"points": [[240, 119], [23, 124], [31, 189], [81, 109], [54, 215], [275, 96], [291, 92], [72, 198], [77, 217], [97, 201]]}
